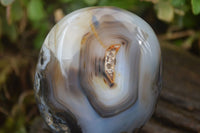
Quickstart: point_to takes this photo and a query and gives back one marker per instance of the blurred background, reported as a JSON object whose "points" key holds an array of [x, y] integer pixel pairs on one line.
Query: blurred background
{"points": [[24, 25]]}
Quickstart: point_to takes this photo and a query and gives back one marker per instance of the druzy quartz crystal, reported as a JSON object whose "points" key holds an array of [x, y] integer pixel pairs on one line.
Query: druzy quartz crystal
{"points": [[99, 71]]}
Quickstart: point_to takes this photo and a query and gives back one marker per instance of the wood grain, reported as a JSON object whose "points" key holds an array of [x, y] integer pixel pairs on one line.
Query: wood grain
{"points": [[178, 109]]}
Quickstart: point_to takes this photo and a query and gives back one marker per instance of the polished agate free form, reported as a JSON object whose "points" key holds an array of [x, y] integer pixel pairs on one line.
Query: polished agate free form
{"points": [[98, 72]]}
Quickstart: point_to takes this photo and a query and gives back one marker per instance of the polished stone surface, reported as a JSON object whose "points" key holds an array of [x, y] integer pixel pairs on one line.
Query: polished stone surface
{"points": [[98, 72]]}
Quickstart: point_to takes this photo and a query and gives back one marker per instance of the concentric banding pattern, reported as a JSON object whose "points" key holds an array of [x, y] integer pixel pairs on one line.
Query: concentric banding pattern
{"points": [[109, 65], [98, 66]]}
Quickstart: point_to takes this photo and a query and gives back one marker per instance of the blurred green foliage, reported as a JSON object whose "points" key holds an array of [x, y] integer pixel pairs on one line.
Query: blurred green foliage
{"points": [[196, 6], [25, 24], [36, 17]]}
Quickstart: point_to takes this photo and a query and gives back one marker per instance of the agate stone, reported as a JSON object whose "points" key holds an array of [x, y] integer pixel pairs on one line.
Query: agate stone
{"points": [[99, 71]]}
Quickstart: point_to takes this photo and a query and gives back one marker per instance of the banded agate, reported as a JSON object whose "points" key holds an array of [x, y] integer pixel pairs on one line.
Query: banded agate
{"points": [[98, 72]]}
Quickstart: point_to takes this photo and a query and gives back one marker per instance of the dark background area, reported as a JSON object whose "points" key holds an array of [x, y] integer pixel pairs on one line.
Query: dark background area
{"points": [[24, 25]]}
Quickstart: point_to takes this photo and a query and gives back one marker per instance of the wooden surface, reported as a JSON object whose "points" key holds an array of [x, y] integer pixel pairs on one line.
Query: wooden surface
{"points": [[178, 109]]}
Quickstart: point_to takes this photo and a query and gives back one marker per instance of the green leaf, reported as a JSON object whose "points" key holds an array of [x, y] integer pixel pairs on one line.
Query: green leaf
{"points": [[9, 30], [35, 10], [24, 2], [165, 11], [189, 21], [16, 11], [42, 32], [195, 6], [76, 4], [6, 2], [90, 2], [38, 41], [12, 33], [65, 1], [126, 4], [178, 3]]}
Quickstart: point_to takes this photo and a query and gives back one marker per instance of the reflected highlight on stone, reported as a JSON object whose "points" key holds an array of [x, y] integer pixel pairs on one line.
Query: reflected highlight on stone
{"points": [[98, 72]]}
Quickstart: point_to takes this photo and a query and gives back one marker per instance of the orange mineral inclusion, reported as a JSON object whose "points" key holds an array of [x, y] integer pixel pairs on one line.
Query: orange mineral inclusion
{"points": [[110, 61]]}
